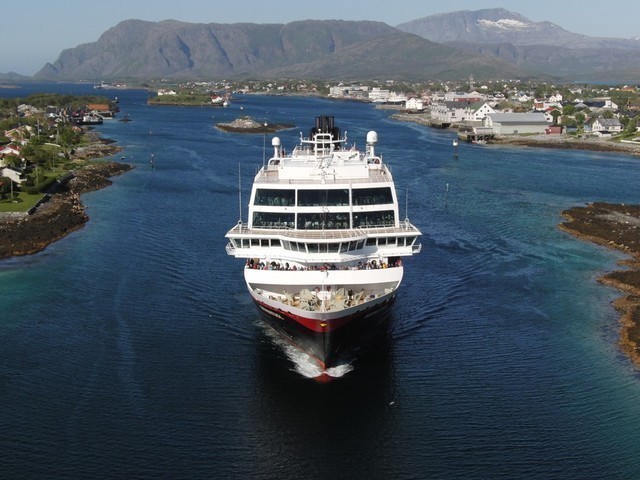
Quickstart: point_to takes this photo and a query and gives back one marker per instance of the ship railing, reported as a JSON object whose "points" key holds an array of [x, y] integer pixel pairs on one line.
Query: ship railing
{"points": [[353, 233], [271, 175]]}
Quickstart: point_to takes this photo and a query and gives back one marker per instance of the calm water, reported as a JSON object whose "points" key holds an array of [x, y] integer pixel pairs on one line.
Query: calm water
{"points": [[130, 349]]}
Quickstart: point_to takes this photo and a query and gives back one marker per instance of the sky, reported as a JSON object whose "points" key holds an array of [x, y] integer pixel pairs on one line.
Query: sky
{"points": [[35, 32]]}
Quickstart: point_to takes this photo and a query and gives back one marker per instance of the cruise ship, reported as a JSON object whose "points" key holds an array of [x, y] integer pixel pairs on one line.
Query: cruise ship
{"points": [[323, 242]]}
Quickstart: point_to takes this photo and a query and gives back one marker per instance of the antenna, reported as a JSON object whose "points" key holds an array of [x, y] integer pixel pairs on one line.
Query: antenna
{"points": [[406, 206], [264, 145], [239, 194]]}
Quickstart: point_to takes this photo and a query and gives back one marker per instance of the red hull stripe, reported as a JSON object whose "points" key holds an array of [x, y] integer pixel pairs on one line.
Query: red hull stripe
{"points": [[320, 326]]}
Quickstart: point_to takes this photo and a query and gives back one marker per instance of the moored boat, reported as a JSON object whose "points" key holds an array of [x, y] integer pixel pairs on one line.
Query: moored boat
{"points": [[324, 242]]}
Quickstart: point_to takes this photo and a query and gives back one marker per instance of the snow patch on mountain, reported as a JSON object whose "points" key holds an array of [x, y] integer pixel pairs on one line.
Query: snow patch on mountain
{"points": [[506, 24]]}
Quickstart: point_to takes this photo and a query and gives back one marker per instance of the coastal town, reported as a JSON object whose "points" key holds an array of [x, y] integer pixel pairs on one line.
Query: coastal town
{"points": [[559, 115]]}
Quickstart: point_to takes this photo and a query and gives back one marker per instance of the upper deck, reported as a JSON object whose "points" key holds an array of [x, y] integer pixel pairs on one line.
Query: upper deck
{"points": [[325, 159]]}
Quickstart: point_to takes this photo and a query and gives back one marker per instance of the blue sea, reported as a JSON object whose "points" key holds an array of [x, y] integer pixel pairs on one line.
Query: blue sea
{"points": [[131, 350]]}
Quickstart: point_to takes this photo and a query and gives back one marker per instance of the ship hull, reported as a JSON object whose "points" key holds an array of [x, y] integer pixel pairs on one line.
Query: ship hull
{"points": [[340, 337]]}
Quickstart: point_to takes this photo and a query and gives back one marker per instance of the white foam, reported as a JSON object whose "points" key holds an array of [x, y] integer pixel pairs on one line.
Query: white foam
{"points": [[309, 367], [303, 363]]}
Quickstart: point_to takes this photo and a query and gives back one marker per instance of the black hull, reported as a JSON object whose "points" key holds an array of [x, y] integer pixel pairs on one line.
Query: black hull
{"points": [[332, 347]]}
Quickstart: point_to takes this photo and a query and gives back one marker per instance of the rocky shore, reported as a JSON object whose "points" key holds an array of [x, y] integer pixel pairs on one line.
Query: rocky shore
{"points": [[567, 141], [62, 211], [593, 143], [615, 226]]}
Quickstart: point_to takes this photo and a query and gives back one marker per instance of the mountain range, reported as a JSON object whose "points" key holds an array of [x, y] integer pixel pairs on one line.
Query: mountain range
{"points": [[488, 44]]}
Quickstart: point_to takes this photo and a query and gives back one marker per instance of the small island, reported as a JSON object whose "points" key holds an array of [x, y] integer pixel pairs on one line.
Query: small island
{"points": [[615, 226], [248, 125]]}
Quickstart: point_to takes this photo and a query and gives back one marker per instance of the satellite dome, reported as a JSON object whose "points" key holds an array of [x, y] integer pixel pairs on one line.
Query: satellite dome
{"points": [[372, 137]]}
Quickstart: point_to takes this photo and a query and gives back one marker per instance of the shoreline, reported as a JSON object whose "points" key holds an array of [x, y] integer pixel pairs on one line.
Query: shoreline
{"points": [[615, 226], [62, 212], [563, 141], [559, 141]]}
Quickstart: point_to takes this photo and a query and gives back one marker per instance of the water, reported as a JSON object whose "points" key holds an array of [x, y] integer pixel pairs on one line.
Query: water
{"points": [[130, 349]]}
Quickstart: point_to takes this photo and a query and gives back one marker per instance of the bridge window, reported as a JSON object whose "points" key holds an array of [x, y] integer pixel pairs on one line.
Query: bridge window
{"points": [[273, 220], [383, 218], [372, 196], [323, 198], [275, 198], [323, 221]]}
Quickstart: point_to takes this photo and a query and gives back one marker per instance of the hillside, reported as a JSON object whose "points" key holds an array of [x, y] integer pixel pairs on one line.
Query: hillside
{"points": [[332, 49]]}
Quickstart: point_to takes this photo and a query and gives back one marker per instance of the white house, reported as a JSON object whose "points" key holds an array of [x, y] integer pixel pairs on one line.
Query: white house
{"points": [[378, 95], [414, 104], [449, 112], [456, 112], [10, 149], [610, 125], [516, 123], [479, 111], [12, 174], [556, 98]]}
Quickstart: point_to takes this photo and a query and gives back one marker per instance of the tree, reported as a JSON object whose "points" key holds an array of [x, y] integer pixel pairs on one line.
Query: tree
{"points": [[631, 126], [568, 109], [5, 186]]}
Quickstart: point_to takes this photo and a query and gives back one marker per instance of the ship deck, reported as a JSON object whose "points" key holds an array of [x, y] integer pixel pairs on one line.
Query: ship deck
{"points": [[404, 229], [271, 175], [321, 300]]}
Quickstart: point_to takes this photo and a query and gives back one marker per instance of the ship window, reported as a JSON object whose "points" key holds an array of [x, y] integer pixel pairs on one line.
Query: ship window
{"points": [[392, 241], [323, 221], [275, 242], [324, 198], [371, 242], [383, 218], [275, 198], [334, 247], [352, 245], [255, 242], [286, 244], [273, 220], [313, 247], [382, 241], [410, 240], [344, 247], [360, 244], [372, 196]]}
